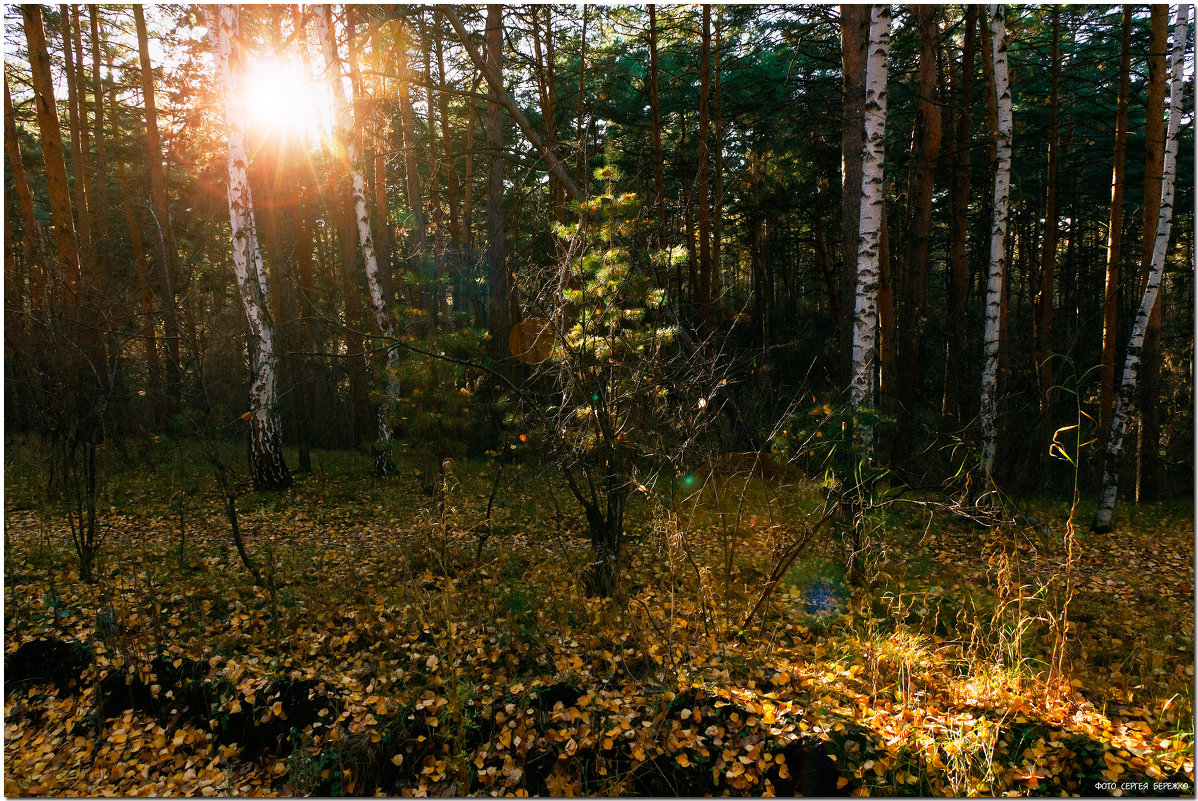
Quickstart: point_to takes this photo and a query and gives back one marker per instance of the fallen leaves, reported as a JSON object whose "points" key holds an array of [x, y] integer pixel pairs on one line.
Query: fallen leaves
{"points": [[461, 677]]}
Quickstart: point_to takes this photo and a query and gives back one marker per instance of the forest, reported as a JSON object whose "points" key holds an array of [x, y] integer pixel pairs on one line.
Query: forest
{"points": [[608, 400]]}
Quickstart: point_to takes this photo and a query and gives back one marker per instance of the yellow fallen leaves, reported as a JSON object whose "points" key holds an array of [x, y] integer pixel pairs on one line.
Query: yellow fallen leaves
{"points": [[137, 757], [476, 669]]}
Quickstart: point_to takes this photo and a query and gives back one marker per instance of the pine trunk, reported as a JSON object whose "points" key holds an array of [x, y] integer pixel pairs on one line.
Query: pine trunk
{"points": [[704, 289], [559, 192], [79, 152], [378, 159], [168, 256], [717, 198], [655, 103], [440, 307], [1127, 387], [99, 184], [958, 287], [418, 243], [1147, 451], [1110, 308], [468, 181], [450, 162], [502, 297], [1043, 305], [496, 93], [854, 36], [137, 245], [54, 157], [926, 147], [580, 128], [31, 233]]}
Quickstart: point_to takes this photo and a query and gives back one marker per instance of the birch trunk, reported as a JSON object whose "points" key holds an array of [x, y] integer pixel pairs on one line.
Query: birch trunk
{"points": [[998, 240], [1127, 387], [345, 128], [1148, 461], [266, 447], [863, 391]]}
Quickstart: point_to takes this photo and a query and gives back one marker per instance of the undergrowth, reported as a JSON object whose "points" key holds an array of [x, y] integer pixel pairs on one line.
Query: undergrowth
{"points": [[443, 661]]}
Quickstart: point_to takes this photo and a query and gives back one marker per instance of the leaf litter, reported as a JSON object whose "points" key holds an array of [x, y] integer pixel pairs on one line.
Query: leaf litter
{"points": [[387, 659]]}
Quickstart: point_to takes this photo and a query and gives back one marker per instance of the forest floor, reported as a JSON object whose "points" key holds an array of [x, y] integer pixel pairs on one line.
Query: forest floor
{"points": [[404, 644]]}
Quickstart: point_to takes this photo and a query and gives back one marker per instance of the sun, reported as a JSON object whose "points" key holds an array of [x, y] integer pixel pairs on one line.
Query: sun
{"points": [[282, 100]]}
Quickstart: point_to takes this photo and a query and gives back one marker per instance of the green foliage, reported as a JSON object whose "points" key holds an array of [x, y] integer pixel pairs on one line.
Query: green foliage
{"points": [[821, 437], [439, 407], [626, 398]]}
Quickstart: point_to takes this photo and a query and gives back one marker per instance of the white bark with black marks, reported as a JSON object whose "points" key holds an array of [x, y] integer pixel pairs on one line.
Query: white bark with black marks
{"points": [[1127, 387], [344, 121], [863, 390], [996, 277], [266, 448]]}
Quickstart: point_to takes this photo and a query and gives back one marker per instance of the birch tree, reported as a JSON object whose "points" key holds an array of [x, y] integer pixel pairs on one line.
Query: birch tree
{"points": [[343, 117], [998, 239], [1148, 461], [266, 445], [1135, 345], [863, 390]]}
